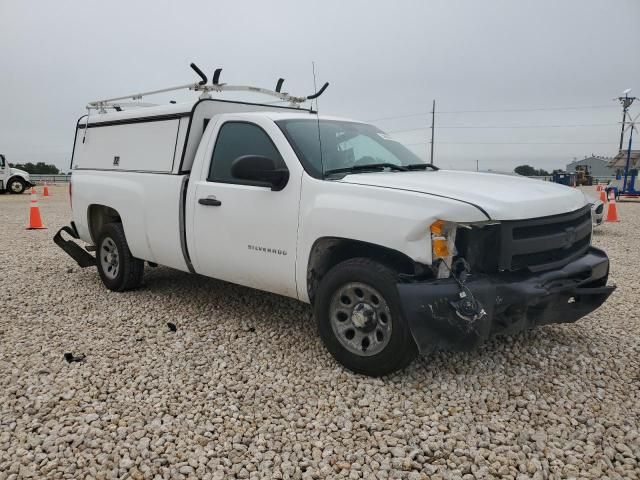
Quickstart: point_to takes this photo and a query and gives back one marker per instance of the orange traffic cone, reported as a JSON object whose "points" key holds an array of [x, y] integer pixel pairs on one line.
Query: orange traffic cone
{"points": [[603, 196], [598, 188], [45, 192], [612, 211], [35, 222]]}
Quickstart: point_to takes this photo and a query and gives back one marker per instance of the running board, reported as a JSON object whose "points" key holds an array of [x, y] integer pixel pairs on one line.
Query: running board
{"points": [[75, 251]]}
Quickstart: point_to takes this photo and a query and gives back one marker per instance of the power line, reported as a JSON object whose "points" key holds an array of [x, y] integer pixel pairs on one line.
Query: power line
{"points": [[507, 126], [539, 109], [506, 110], [510, 143]]}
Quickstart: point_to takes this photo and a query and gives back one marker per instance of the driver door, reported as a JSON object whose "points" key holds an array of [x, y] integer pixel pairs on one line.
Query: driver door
{"points": [[246, 233]]}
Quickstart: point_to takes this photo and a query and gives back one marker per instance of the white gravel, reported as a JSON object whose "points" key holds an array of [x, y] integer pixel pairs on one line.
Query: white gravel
{"points": [[245, 389]]}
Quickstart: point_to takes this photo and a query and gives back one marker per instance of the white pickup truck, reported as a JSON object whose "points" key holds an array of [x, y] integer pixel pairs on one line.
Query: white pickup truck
{"points": [[13, 180], [396, 256]]}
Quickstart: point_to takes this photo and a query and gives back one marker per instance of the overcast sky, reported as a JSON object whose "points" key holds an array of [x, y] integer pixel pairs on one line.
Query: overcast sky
{"points": [[382, 58]]}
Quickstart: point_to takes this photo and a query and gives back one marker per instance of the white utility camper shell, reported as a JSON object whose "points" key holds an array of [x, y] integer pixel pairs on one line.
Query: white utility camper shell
{"points": [[161, 139]]}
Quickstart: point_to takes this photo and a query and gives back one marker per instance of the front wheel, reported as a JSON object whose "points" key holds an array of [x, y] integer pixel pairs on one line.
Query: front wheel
{"points": [[357, 308], [118, 269], [16, 185]]}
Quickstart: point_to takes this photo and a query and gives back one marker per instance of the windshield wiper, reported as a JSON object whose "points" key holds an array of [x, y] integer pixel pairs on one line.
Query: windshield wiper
{"points": [[421, 166], [365, 168]]}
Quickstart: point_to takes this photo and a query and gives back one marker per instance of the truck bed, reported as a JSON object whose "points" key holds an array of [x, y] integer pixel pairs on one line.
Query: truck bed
{"points": [[150, 205]]}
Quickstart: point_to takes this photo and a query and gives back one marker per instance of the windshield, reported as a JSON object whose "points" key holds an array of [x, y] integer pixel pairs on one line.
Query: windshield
{"points": [[345, 146]]}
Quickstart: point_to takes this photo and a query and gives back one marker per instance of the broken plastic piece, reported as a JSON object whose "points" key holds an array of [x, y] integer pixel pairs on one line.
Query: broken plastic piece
{"points": [[70, 357]]}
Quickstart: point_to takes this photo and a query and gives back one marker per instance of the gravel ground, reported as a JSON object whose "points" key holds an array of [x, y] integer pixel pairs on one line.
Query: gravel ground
{"points": [[245, 389]]}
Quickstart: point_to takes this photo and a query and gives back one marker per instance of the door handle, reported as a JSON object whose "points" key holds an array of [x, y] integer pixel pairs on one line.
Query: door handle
{"points": [[210, 201]]}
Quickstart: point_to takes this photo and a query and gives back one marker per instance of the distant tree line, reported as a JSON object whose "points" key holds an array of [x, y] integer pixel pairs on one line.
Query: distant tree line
{"points": [[529, 171], [39, 168]]}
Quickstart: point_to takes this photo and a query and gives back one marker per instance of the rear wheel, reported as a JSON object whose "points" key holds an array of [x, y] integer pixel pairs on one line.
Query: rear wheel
{"points": [[118, 269], [360, 321], [16, 185]]}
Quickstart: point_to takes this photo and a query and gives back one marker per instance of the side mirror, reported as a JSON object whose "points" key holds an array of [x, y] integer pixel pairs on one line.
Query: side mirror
{"points": [[260, 170]]}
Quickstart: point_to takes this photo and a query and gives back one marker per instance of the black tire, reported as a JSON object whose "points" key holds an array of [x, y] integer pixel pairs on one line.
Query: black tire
{"points": [[400, 348], [127, 274], [16, 185]]}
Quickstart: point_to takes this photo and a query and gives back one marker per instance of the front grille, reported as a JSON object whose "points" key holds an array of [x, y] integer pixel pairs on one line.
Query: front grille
{"points": [[544, 243]]}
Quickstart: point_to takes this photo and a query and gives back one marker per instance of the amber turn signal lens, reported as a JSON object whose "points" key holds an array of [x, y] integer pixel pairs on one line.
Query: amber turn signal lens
{"points": [[437, 227], [440, 248]]}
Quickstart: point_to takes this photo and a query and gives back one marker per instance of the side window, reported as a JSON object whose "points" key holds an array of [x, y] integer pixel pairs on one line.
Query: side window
{"points": [[1, 161], [236, 139]]}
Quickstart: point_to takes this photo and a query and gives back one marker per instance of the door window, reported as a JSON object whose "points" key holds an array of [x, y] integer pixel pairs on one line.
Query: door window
{"points": [[1, 161], [236, 139]]}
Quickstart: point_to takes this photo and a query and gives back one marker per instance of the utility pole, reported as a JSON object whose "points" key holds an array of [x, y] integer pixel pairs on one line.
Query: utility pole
{"points": [[632, 127], [626, 102], [477, 166], [433, 122]]}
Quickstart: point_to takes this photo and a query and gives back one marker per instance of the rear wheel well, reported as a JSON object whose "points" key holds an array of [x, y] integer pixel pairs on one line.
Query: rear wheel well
{"points": [[329, 251], [98, 216]]}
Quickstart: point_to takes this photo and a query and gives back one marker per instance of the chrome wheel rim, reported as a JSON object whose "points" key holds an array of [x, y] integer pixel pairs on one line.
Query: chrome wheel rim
{"points": [[16, 187], [360, 319], [109, 258]]}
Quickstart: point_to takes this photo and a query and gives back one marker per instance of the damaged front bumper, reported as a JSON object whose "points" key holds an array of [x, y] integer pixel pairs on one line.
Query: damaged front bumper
{"points": [[508, 302]]}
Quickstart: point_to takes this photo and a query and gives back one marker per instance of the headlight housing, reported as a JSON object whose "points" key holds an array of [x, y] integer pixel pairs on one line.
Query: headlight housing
{"points": [[443, 245], [477, 242]]}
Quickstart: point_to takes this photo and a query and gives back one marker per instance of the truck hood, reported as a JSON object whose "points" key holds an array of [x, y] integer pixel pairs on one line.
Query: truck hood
{"points": [[501, 197], [17, 171]]}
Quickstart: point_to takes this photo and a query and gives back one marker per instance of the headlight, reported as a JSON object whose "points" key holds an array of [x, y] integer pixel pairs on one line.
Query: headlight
{"points": [[477, 242], [443, 245]]}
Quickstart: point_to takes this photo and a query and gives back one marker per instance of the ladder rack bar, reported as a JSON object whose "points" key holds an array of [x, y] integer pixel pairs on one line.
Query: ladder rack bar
{"points": [[205, 89], [247, 88], [138, 96], [202, 86]]}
